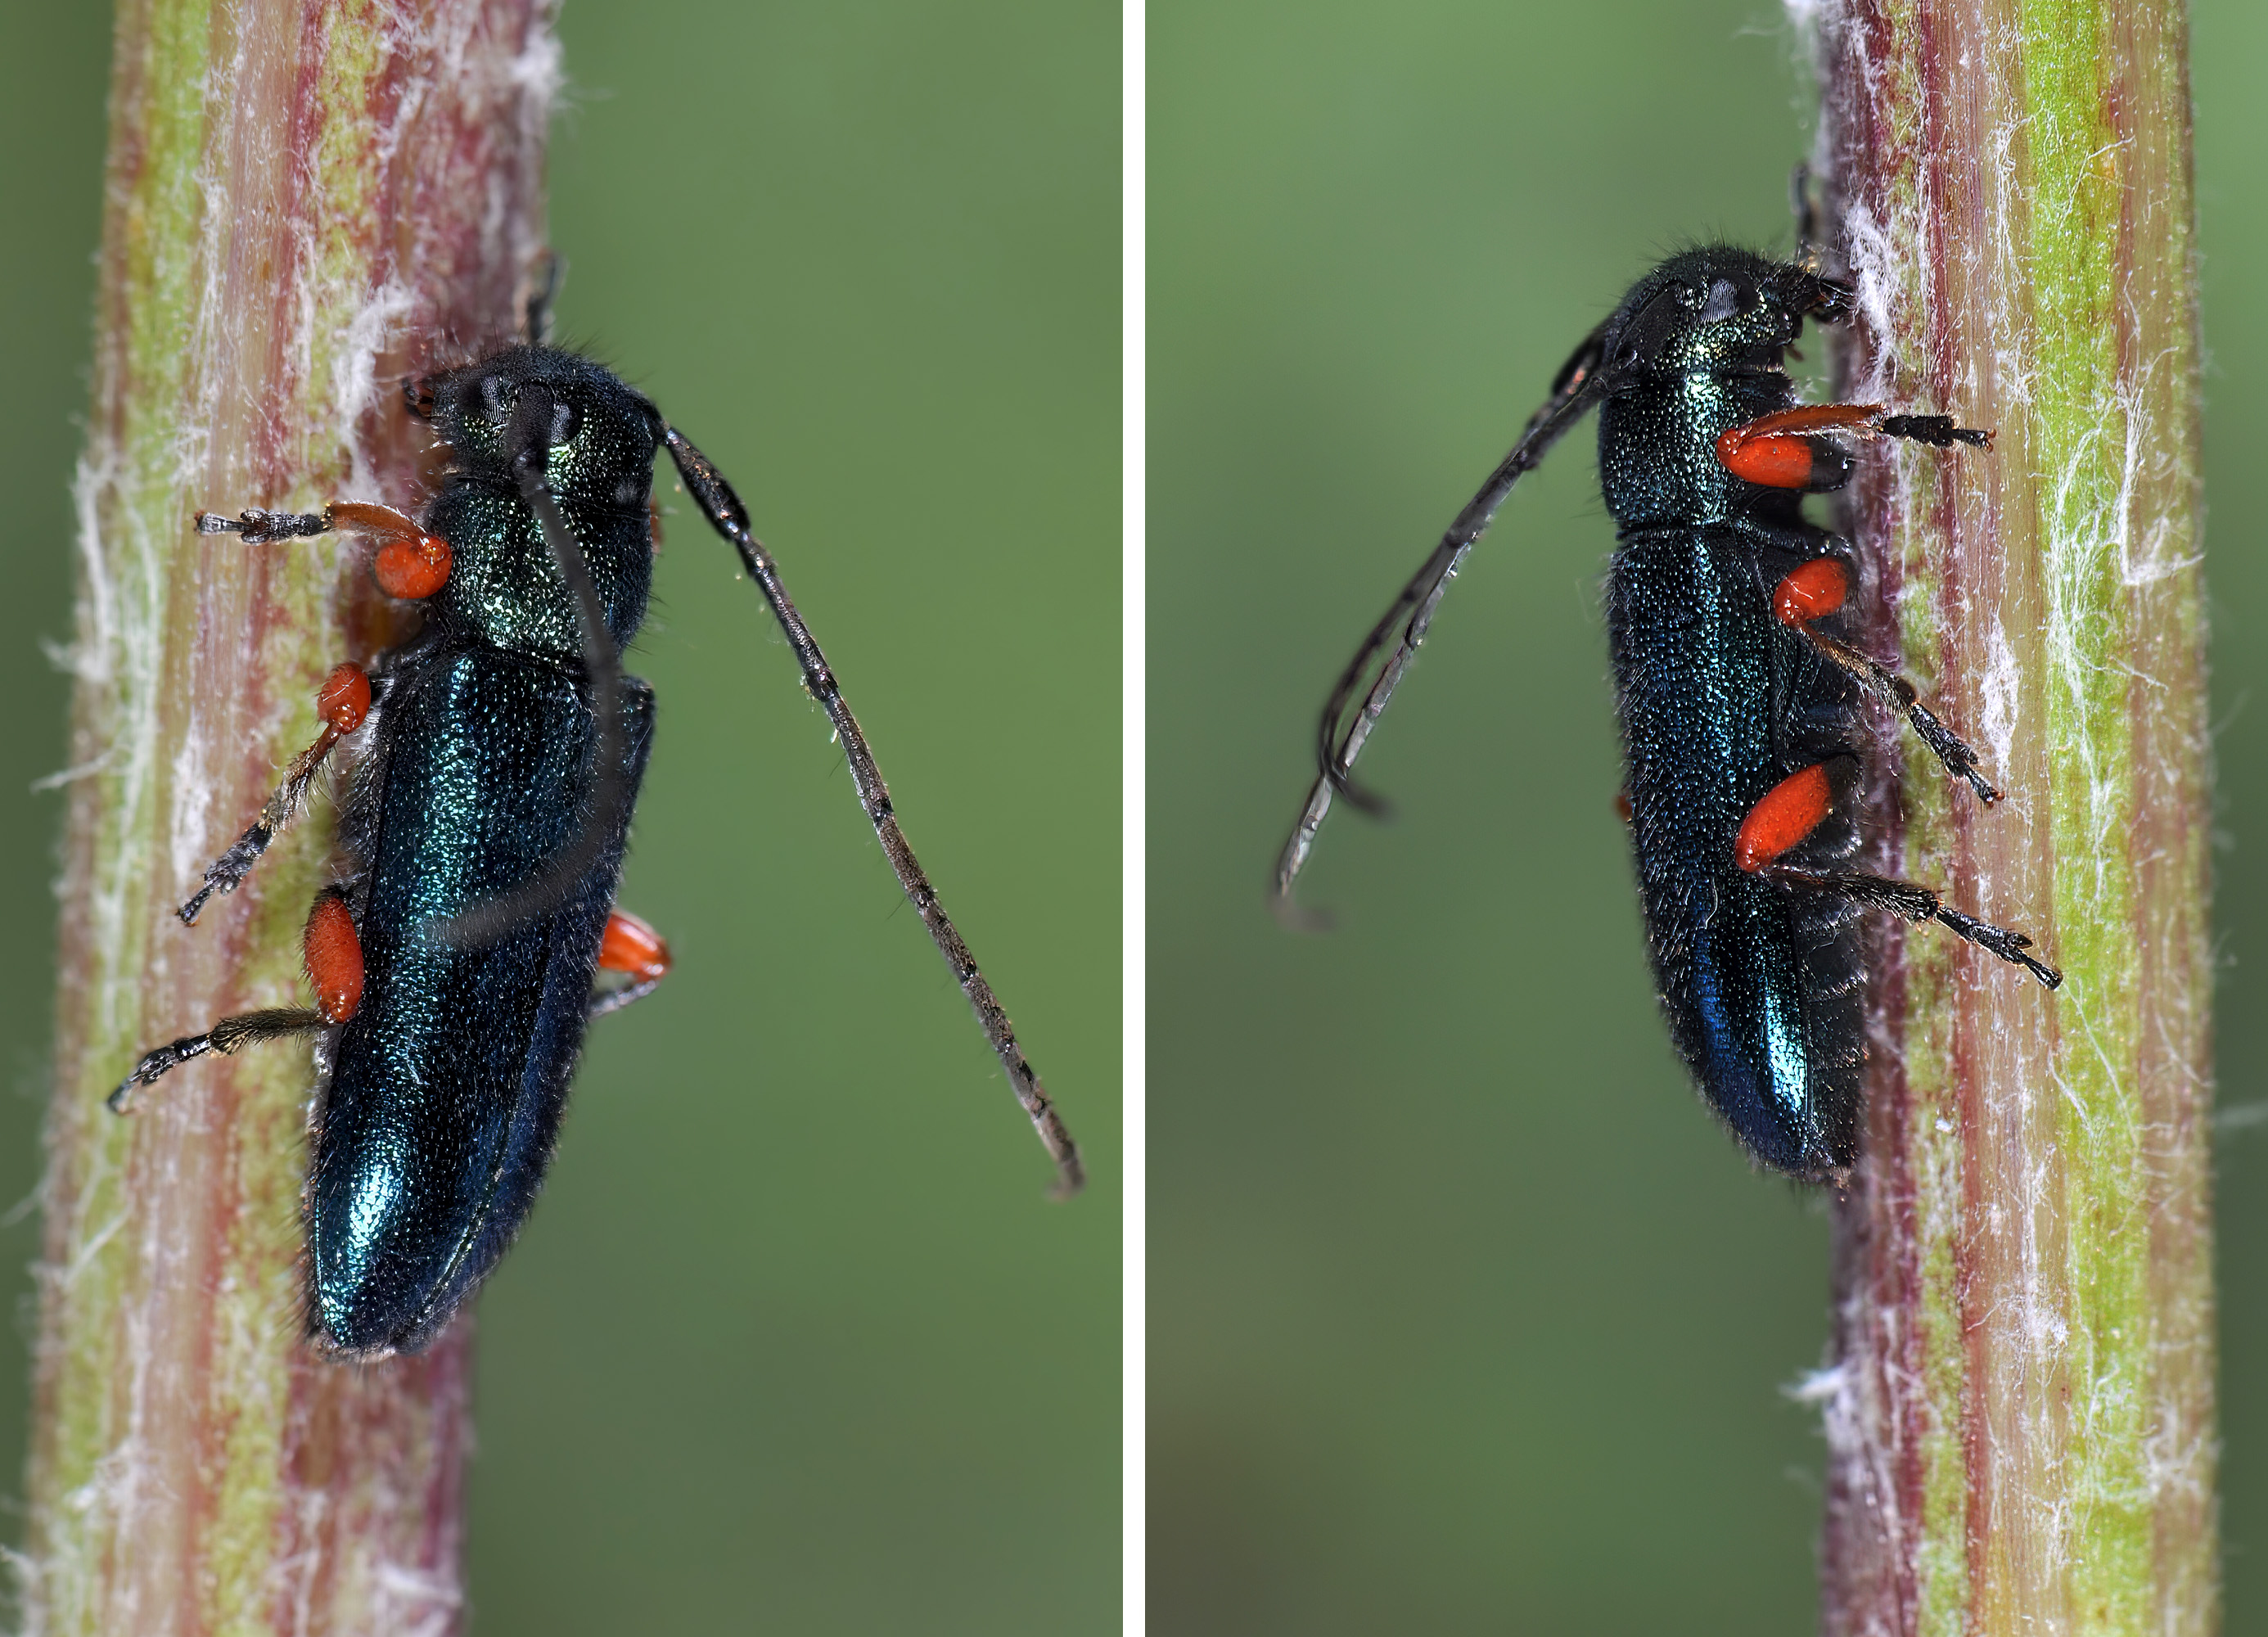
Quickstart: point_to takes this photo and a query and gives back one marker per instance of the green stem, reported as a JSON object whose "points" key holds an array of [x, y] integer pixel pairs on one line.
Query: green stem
{"points": [[303, 205], [2020, 1418]]}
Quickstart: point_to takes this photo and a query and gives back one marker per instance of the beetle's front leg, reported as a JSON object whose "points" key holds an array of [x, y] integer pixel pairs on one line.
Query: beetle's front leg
{"points": [[410, 563], [1787, 449]]}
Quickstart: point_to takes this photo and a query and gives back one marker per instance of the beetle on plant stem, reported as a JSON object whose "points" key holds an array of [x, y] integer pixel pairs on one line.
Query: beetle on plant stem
{"points": [[454, 962], [1739, 706]]}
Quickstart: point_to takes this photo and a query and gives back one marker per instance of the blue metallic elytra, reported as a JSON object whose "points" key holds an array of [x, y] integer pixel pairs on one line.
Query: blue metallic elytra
{"points": [[1739, 697], [482, 833]]}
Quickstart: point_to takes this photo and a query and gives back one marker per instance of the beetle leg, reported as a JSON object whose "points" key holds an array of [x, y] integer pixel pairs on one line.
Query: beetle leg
{"points": [[1912, 903], [630, 946], [1794, 808], [410, 563], [228, 1035], [1937, 430], [1814, 590], [1787, 813], [332, 952], [1786, 449], [343, 702]]}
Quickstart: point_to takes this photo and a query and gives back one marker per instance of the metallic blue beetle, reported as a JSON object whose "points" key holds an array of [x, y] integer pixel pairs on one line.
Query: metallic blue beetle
{"points": [[1739, 703], [455, 962]]}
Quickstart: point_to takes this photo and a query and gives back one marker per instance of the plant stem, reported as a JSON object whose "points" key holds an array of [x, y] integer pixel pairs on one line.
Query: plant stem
{"points": [[2021, 1414], [304, 203]]}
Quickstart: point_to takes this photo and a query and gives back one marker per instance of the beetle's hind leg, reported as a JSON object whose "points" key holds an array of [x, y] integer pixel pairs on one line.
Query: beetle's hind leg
{"points": [[1917, 904], [1792, 810], [331, 950], [342, 702], [632, 946], [226, 1036]]}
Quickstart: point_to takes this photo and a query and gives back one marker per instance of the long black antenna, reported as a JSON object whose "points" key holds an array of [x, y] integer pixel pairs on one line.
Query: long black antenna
{"points": [[1339, 742], [723, 510]]}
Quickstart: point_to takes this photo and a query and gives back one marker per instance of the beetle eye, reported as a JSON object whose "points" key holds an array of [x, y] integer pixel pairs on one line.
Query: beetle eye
{"points": [[565, 419], [1724, 302], [492, 398]]}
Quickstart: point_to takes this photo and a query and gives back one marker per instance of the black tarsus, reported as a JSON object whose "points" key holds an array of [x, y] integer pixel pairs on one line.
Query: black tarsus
{"points": [[1936, 430], [227, 873], [1573, 390], [726, 514], [265, 528], [1917, 904], [605, 1001]]}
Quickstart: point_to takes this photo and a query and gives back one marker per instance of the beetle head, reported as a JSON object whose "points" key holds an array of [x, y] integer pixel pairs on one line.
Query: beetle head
{"points": [[1715, 309], [598, 435]]}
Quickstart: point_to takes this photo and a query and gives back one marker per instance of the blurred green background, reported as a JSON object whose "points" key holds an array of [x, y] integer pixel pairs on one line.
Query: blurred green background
{"points": [[1464, 1318], [793, 1341]]}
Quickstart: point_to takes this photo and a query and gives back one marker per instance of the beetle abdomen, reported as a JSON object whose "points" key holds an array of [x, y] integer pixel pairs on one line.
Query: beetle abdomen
{"points": [[447, 1084], [1759, 982]]}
